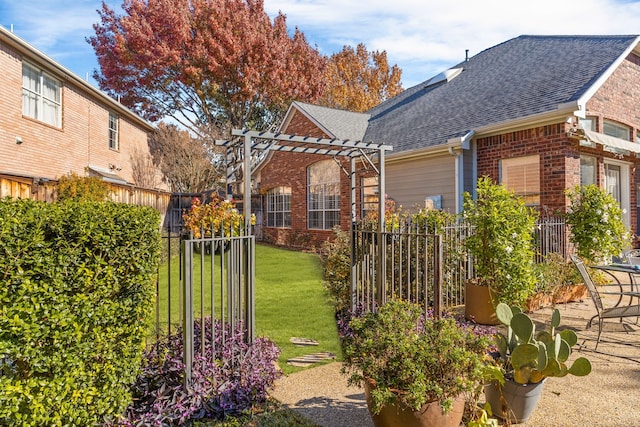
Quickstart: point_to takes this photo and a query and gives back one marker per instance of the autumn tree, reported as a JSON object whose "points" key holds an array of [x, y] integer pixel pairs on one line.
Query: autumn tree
{"points": [[188, 164], [211, 65], [358, 80]]}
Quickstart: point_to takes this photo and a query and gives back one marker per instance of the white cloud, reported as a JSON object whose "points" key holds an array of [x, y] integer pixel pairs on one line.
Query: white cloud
{"points": [[424, 38]]}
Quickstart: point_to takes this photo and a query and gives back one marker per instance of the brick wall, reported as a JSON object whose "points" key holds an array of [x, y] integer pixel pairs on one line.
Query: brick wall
{"points": [[618, 100], [50, 152], [290, 169], [559, 160]]}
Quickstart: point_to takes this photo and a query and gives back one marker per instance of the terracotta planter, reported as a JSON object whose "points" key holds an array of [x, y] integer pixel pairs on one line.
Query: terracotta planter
{"points": [[479, 305], [569, 294], [561, 296], [430, 415], [514, 402]]}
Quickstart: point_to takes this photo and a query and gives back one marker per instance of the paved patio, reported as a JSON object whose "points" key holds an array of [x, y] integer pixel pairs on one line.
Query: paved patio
{"points": [[608, 397]]}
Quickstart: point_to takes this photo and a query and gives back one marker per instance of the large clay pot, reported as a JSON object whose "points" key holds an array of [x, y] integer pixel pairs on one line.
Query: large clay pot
{"points": [[514, 402], [430, 415], [479, 305]]}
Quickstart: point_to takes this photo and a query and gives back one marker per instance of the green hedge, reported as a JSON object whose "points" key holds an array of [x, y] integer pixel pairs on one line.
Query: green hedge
{"points": [[76, 292]]}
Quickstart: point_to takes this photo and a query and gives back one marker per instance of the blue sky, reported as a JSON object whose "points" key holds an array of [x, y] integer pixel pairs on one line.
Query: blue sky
{"points": [[423, 37]]}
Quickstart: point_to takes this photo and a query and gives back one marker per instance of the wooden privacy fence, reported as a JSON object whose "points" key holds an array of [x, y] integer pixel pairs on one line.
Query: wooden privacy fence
{"points": [[430, 269], [46, 190]]}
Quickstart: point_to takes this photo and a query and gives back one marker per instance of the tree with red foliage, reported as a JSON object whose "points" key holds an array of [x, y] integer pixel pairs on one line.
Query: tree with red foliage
{"points": [[211, 65]]}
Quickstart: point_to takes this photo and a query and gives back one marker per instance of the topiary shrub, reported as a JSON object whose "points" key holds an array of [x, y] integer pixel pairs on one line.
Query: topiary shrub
{"points": [[227, 378], [77, 290]]}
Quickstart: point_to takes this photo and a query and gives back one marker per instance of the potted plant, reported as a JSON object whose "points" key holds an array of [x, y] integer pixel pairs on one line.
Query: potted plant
{"points": [[526, 358], [501, 247], [557, 282], [597, 228], [415, 368]]}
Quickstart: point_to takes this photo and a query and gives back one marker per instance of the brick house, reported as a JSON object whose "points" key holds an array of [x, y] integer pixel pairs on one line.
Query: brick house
{"points": [[538, 113], [52, 122]]}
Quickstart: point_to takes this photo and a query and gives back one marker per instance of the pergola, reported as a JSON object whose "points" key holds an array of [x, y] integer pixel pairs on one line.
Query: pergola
{"points": [[249, 148]]}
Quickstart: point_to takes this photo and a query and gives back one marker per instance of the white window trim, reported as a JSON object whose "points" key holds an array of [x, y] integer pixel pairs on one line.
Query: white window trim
{"points": [[114, 132], [40, 96], [323, 209], [274, 197]]}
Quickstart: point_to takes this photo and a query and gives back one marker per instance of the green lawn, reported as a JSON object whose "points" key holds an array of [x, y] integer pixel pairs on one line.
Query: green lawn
{"points": [[290, 300]]}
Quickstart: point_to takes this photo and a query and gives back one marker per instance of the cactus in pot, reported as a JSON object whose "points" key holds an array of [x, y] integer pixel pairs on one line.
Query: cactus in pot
{"points": [[531, 357]]}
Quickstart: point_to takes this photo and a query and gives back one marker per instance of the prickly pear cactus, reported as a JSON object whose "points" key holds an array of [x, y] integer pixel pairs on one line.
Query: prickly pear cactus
{"points": [[531, 357]]}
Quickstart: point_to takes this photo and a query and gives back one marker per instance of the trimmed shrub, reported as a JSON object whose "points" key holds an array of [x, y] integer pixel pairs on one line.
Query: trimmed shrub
{"points": [[82, 188], [227, 378], [336, 263], [76, 295]]}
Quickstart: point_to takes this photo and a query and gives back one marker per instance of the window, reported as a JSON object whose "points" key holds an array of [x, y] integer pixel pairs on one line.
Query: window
{"points": [[616, 129], [369, 196], [588, 124], [522, 176], [41, 96], [279, 207], [588, 169], [113, 131], [323, 195], [617, 177]]}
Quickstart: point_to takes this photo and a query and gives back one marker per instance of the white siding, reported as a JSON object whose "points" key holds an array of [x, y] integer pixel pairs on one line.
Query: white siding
{"points": [[410, 182]]}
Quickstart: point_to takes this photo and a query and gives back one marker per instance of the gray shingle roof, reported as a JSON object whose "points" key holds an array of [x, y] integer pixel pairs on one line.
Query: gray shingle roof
{"points": [[340, 124], [523, 76]]}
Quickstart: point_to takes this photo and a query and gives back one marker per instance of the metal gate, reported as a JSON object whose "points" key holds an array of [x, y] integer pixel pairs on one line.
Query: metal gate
{"points": [[206, 277]]}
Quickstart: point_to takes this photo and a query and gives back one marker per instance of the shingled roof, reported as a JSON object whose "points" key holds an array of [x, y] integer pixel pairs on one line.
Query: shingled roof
{"points": [[521, 77], [338, 124]]}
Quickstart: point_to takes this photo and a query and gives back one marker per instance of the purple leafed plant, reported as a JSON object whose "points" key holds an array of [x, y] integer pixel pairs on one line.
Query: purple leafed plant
{"points": [[228, 377]]}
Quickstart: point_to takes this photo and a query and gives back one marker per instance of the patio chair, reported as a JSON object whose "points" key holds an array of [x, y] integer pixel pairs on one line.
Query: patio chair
{"points": [[617, 312]]}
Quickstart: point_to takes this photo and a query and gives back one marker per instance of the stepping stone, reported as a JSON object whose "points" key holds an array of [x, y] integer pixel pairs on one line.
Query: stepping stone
{"points": [[303, 341], [310, 359]]}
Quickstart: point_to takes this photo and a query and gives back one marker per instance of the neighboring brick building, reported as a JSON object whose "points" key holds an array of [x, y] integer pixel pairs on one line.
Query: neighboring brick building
{"points": [[540, 114], [52, 122]]}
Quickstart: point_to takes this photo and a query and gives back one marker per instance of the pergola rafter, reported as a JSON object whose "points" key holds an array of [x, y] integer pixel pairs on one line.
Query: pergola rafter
{"points": [[250, 148]]}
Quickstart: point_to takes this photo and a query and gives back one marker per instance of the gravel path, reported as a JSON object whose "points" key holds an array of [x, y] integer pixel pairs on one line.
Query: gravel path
{"points": [[608, 397]]}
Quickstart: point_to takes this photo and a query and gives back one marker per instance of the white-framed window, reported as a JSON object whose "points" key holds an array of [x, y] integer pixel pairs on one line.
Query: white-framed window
{"points": [[521, 175], [323, 195], [113, 131], [617, 130], [369, 196], [279, 207], [588, 123], [41, 96], [588, 170]]}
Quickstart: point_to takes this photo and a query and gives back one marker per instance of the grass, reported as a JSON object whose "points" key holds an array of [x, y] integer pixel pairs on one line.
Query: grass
{"points": [[290, 300]]}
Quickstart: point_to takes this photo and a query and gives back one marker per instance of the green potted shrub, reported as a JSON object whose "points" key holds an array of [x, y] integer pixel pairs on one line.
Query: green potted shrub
{"points": [[597, 228], [412, 366], [525, 359], [501, 246]]}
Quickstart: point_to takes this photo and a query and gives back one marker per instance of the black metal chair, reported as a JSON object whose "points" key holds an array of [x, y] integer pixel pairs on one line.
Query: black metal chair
{"points": [[617, 312]]}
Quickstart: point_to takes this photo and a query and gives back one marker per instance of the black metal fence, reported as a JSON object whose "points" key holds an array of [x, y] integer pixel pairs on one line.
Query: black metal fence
{"points": [[429, 269], [204, 277]]}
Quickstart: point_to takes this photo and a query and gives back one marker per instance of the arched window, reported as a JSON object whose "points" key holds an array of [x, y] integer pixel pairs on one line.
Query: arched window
{"points": [[279, 207], [323, 195]]}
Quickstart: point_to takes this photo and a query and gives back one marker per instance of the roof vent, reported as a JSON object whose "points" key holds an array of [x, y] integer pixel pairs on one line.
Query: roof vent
{"points": [[445, 76]]}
